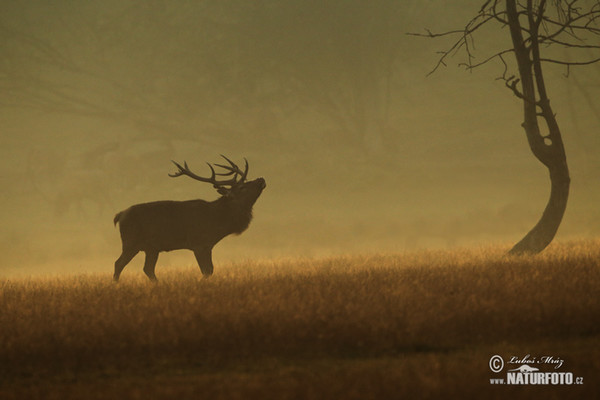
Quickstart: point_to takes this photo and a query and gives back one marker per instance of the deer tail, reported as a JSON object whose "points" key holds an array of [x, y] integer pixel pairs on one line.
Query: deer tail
{"points": [[117, 218]]}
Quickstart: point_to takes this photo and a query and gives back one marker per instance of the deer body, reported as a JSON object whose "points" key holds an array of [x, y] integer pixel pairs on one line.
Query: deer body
{"points": [[195, 225]]}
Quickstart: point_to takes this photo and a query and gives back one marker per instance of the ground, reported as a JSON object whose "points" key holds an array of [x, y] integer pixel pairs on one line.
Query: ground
{"points": [[413, 325]]}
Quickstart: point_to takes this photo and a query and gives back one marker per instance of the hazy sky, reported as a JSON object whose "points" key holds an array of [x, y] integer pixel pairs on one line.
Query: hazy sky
{"points": [[328, 100]]}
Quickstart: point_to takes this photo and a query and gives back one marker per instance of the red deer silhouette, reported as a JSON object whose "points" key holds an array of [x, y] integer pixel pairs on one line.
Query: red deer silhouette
{"points": [[195, 225]]}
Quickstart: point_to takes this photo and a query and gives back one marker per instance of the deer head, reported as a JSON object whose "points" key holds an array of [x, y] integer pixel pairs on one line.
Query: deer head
{"points": [[233, 187]]}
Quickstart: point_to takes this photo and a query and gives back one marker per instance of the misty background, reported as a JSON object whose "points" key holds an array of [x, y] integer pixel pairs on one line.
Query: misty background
{"points": [[328, 100]]}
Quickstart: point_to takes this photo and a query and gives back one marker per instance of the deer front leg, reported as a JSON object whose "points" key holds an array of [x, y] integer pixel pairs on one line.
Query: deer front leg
{"points": [[204, 258]]}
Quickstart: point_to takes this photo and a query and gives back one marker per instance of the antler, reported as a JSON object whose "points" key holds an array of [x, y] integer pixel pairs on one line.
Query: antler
{"points": [[232, 169]]}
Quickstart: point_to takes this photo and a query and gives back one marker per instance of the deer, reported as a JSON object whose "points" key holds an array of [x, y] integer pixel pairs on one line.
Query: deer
{"points": [[195, 225]]}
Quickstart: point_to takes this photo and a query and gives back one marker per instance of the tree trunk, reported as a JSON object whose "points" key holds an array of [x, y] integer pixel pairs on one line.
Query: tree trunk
{"points": [[549, 149], [543, 232]]}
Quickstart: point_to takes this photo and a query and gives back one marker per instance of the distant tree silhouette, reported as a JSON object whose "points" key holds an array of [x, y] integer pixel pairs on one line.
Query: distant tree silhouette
{"points": [[535, 28]]}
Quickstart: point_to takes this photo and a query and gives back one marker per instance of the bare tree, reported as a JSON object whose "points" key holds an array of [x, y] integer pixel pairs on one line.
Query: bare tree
{"points": [[536, 28]]}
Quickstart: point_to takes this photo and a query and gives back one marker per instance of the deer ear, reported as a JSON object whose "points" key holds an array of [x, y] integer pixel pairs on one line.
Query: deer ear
{"points": [[223, 191]]}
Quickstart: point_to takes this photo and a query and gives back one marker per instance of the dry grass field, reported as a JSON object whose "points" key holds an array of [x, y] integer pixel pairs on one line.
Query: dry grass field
{"points": [[417, 325]]}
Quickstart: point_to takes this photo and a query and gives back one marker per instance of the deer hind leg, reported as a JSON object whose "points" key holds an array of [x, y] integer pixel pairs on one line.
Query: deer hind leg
{"points": [[204, 258], [150, 263], [122, 261]]}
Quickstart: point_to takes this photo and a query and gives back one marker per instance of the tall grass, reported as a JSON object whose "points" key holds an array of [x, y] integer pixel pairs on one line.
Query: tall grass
{"points": [[378, 307]]}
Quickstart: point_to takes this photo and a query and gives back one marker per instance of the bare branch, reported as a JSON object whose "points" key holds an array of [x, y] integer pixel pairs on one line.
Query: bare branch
{"points": [[511, 83], [430, 34], [490, 58], [571, 23], [564, 27], [570, 63], [505, 68], [466, 35], [546, 39]]}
